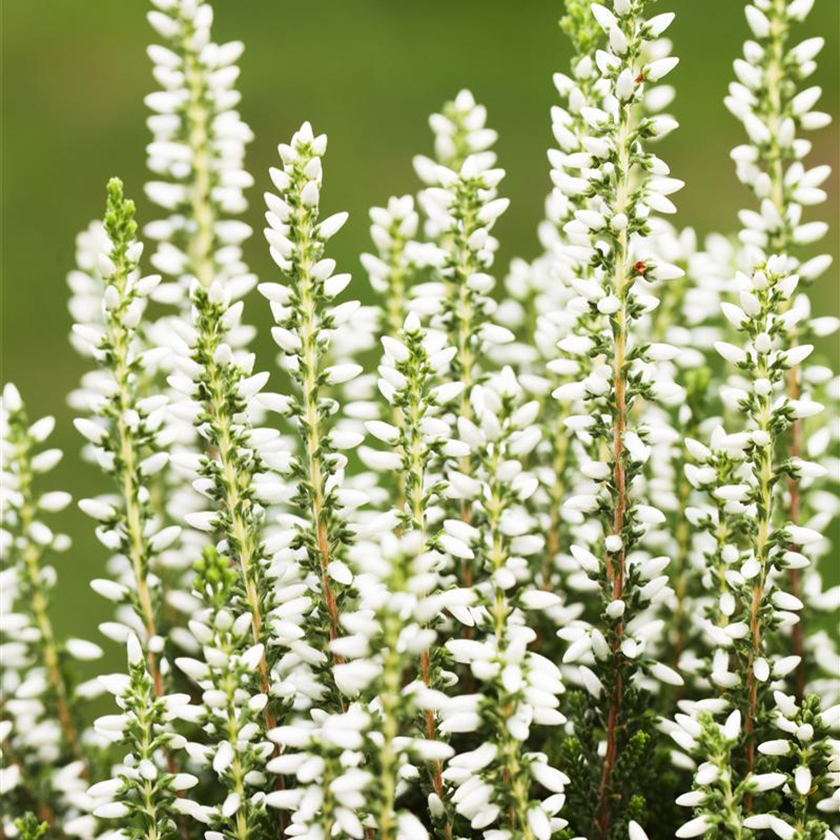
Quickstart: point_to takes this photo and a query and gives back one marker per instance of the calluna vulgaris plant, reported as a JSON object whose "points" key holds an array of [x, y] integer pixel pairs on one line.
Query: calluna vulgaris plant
{"points": [[519, 566]]}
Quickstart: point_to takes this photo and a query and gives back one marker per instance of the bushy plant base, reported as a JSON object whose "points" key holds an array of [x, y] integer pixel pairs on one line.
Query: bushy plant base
{"points": [[513, 564]]}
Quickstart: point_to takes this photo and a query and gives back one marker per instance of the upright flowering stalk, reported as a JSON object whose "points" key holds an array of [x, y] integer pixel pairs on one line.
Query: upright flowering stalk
{"points": [[627, 184], [198, 150], [718, 795], [460, 130], [518, 687], [398, 257], [305, 320], [414, 365], [142, 793], [796, 781], [168, 499], [747, 567], [45, 760], [237, 471], [233, 701], [719, 527], [412, 373], [388, 638], [568, 243], [767, 99], [393, 272], [462, 207], [196, 158], [765, 365], [125, 432], [550, 312]]}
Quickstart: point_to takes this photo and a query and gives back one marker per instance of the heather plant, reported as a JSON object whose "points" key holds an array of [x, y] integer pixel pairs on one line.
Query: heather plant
{"points": [[518, 562]]}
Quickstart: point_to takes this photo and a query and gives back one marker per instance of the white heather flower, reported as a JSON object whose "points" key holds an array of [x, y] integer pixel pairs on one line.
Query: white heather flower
{"points": [[521, 683], [605, 235], [40, 728], [235, 710], [503, 603], [146, 783], [126, 429], [197, 152], [768, 350], [297, 245], [465, 179]]}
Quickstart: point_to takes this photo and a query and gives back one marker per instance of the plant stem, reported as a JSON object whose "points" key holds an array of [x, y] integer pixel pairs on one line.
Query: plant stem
{"points": [[765, 514], [312, 435], [615, 569], [389, 763], [128, 472], [242, 539], [780, 242], [798, 632], [200, 244]]}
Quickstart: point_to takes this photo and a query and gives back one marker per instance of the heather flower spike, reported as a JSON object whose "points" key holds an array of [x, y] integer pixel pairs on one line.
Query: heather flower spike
{"points": [[625, 185], [41, 730], [124, 432], [197, 151], [540, 561], [306, 317], [756, 474]]}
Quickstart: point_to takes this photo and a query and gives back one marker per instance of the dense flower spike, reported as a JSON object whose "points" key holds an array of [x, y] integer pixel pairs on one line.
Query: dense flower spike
{"points": [[41, 727], [399, 258], [306, 321], [142, 794], [717, 798], [626, 184], [388, 638], [767, 99], [543, 292], [761, 549], [518, 687], [412, 380], [413, 383], [765, 366], [517, 566], [198, 150], [196, 158], [125, 433], [232, 700], [462, 207]]}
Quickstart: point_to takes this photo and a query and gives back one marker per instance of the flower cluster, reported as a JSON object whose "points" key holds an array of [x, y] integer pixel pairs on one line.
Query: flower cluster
{"points": [[306, 321], [757, 476], [125, 433], [142, 791], [198, 150], [537, 562], [45, 758], [611, 367]]}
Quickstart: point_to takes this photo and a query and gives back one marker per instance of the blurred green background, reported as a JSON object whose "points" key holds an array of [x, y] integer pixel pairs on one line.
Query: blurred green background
{"points": [[368, 72]]}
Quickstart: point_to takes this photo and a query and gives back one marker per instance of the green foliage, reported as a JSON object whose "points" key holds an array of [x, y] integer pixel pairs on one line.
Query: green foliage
{"points": [[31, 828]]}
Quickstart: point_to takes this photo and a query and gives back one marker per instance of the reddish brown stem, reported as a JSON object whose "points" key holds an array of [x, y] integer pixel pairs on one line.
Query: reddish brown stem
{"points": [[437, 777]]}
